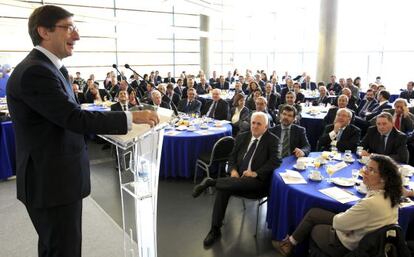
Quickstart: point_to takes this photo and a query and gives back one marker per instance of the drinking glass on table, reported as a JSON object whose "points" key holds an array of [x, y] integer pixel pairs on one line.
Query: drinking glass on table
{"points": [[359, 151], [330, 170], [317, 163], [355, 174], [348, 155]]}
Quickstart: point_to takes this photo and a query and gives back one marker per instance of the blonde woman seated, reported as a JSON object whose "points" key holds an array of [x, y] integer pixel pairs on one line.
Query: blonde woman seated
{"points": [[337, 234], [239, 114]]}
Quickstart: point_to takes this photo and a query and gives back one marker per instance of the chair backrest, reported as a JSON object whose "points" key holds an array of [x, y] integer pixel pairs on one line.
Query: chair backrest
{"points": [[387, 241], [222, 149]]}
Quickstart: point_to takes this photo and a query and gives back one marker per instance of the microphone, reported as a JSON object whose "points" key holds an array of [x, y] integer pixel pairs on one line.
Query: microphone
{"points": [[173, 107]]}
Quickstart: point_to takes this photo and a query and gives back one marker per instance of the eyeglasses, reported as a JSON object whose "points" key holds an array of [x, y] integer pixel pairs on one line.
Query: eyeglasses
{"points": [[370, 170], [70, 28]]}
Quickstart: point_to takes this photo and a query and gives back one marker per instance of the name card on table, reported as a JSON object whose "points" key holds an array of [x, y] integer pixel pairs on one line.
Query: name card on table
{"points": [[339, 165], [292, 177], [341, 195]]}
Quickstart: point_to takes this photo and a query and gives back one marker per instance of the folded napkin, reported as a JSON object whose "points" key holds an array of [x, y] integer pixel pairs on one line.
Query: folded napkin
{"points": [[339, 165], [292, 177]]}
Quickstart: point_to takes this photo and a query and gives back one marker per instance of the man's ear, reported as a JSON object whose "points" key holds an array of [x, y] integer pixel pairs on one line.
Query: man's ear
{"points": [[43, 32]]}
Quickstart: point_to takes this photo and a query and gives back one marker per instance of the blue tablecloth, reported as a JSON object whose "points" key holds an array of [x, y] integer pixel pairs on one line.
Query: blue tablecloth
{"points": [[288, 204], [7, 150], [314, 127], [180, 152]]}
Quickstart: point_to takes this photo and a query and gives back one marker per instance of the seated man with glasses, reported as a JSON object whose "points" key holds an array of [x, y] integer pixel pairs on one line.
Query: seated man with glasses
{"points": [[251, 163]]}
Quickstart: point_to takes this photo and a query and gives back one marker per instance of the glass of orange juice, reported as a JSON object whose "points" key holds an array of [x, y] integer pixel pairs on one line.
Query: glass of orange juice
{"points": [[330, 170]]}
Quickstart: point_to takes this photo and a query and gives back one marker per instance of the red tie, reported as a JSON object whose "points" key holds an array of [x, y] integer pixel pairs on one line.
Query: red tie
{"points": [[397, 122]]}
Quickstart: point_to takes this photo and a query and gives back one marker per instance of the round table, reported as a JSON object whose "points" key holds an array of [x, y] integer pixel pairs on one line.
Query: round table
{"points": [[180, 151], [288, 204], [314, 125], [7, 150]]}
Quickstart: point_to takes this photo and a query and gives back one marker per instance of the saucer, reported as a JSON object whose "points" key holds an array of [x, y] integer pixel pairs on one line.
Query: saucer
{"points": [[294, 166], [204, 127], [315, 179], [361, 190]]}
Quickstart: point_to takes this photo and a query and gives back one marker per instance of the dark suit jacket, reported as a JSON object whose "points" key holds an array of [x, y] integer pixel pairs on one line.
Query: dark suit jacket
{"points": [[407, 95], [407, 123], [194, 107], [52, 160], [334, 87], [377, 110], [222, 109], [300, 98], [298, 137], [396, 147], [370, 107], [226, 85], [175, 99], [163, 104], [169, 80], [349, 139], [89, 98], [213, 81], [273, 101], [265, 160], [324, 100], [331, 115], [312, 85], [202, 90], [117, 107], [283, 94]]}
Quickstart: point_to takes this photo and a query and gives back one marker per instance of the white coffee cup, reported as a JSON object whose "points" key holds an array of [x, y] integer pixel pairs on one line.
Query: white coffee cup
{"points": [[315, 174], [406, 181], [365, 159], [405, 171], [300, 164]]}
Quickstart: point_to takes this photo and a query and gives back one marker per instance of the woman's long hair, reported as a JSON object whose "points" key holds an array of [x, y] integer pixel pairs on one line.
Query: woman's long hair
{"points": [[389, 172]]}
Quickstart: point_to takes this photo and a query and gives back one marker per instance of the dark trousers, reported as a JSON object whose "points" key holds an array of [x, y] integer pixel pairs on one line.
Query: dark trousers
{"points": [[317, 223], [226, 187], [59, 229]]}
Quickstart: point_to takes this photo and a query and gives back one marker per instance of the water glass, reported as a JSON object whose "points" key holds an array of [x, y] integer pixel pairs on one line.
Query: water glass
{"points": [[355, 174], [348, 155]]}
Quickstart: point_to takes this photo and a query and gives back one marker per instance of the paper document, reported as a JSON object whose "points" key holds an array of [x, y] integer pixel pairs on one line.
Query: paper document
{"points": [[339, 165], [292, 177], [341, 195], [172, 132]]}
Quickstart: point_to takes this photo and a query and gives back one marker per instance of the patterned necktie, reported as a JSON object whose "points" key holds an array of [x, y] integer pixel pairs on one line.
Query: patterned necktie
{"points": [[286, 143], [338, 137], [247, 157], [397, 121], [68, 86], [125, 107], [213, 110]]}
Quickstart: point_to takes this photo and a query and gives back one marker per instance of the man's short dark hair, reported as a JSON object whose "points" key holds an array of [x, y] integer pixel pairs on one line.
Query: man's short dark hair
{"points": [[45, 16], [289, 108], [385, 94]]}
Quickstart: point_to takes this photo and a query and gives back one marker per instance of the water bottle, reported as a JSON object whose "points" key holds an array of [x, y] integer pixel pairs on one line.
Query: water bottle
{"points": [[143, 172]]}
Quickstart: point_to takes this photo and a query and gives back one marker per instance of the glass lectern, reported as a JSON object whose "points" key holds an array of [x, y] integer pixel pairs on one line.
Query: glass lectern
{"points": [[138, 160]]}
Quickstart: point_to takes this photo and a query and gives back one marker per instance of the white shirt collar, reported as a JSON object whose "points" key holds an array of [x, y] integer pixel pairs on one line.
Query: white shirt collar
{"points": [[53, 58]]}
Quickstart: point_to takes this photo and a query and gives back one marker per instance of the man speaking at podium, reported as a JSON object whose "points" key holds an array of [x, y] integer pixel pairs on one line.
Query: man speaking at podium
{"points": [[52, 160]]}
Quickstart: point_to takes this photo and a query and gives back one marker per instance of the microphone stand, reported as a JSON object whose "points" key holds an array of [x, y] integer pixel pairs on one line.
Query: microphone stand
{"points": [[173, 106], [120, 75]]}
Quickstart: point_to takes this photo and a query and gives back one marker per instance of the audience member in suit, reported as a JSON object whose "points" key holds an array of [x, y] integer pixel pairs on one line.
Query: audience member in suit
{"points": [[132, 99], [171, 96], [147, 95], [52, 163], [218, 108], [292, 137], [385, 139], [300, 98], [190, 104], [383, 97], [251, 164], [239, 114], [273, 99], [142, 87], [403, 120], [238, 89], [290, 99], [190, 84], [351, 99], [95, 94], [229, 77], [156, 100], [367, 105], [251, 101], [342, 102], [409, 93], [308, 84], [245, 85], [288, 88], [213, 80], [80, 96], [157, 77], [113, 87], [222, 84], [122, 104], [253, 87], [169, 79], [323, 97], [260, 81], [276, 88], [354, 89], [135, 85], [341, 134], [333, 87], [179, 88], [202, 87]]}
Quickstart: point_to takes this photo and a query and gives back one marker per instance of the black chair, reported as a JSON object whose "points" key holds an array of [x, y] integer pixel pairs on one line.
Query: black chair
{"points": [[262, 199], [220, 154], [387, 241]]}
